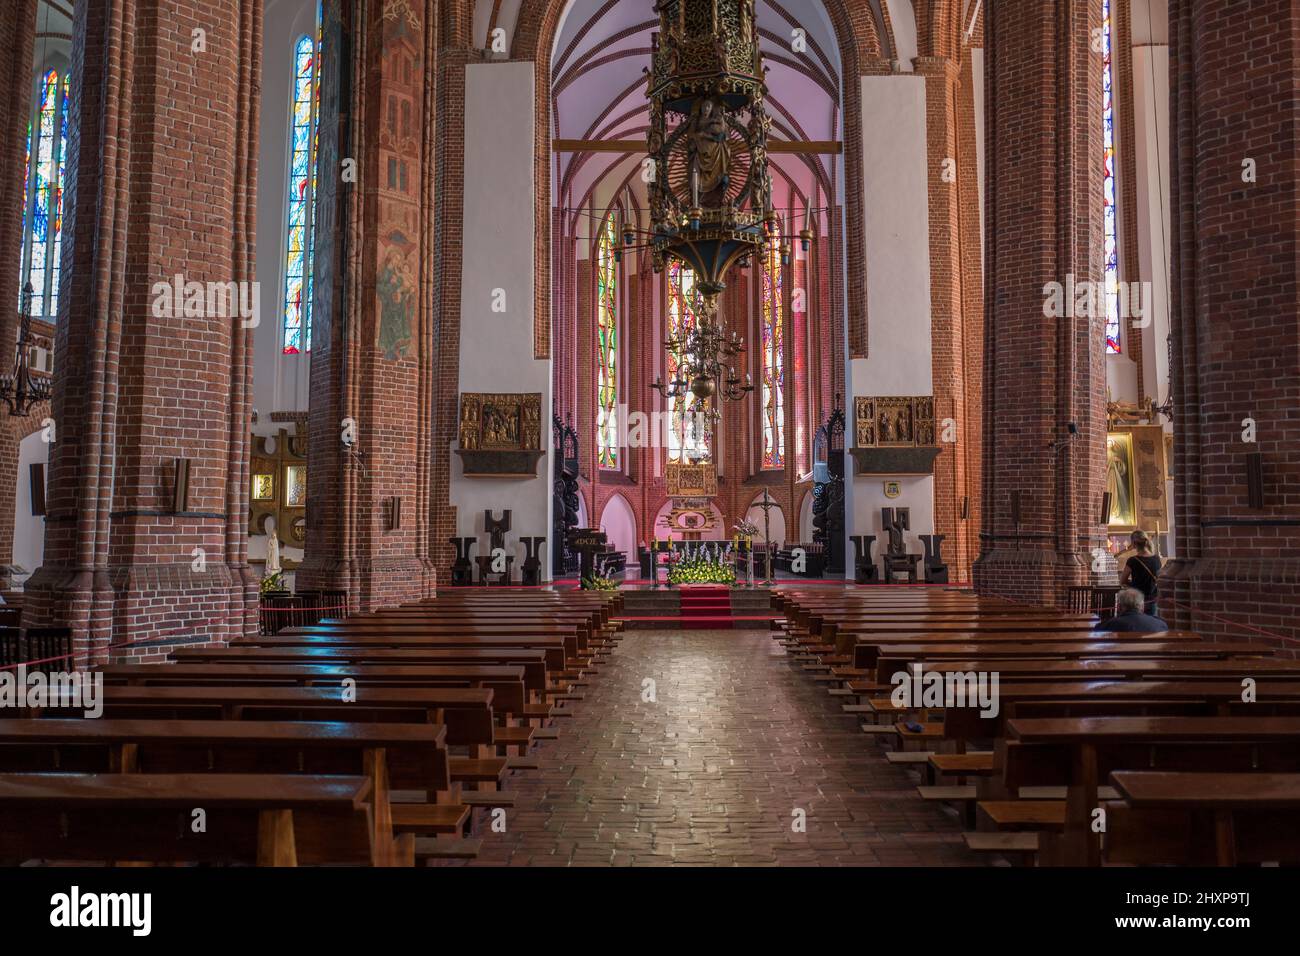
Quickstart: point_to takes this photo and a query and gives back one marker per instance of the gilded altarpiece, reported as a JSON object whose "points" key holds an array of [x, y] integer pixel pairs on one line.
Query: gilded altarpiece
{"points": [[894, 435], [500, 434], [278, 487]]}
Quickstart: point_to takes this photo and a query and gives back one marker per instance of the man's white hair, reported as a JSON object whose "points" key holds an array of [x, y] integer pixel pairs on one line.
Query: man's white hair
{"points": [[1129, 599]]}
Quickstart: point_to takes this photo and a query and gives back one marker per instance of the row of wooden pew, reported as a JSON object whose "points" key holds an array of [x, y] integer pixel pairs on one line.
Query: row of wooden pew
{"points": [[1115, 748], [385, 739]]}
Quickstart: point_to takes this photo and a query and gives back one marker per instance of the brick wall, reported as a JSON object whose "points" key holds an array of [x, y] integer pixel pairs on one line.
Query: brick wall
{"points": [[161, 180], [1235, 301], [1043, 222], [376, 365]]}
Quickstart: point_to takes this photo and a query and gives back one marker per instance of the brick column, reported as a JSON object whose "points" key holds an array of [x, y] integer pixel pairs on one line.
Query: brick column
{"points": [[372, 362], [160, 182], [1235, 300], [1043, 224], [17, 43], [947, 332]]}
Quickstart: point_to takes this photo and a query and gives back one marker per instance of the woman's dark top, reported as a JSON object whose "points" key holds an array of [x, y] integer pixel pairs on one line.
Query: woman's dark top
{"points": [[1144, 570]]}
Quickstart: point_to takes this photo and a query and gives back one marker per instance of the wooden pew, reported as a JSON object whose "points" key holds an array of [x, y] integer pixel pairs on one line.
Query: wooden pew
{"points": [[467, 712], [1080, 752], [890, 659], [868, 656], [267, 819], [409, 757], [1200, 818], [505, 681], [533, 661]]}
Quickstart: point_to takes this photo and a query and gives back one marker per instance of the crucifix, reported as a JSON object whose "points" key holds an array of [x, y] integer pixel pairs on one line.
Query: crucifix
{"points": [[767, 504]]}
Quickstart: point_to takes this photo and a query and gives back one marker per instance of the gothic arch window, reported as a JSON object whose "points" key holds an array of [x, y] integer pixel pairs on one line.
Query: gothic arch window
{"points": [[1113, 343], [304, 140], [688, 435], [607, 301], [772, 354], [47, 140]]}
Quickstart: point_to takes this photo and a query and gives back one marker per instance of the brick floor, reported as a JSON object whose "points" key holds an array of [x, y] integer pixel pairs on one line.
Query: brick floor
{"points": [[711, 770]]}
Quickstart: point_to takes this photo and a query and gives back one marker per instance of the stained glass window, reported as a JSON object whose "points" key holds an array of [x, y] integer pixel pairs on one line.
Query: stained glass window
{"points": [[606, 348], [1108, 185], [304, 139], [47, 139], [773, 336], [688, 437]]}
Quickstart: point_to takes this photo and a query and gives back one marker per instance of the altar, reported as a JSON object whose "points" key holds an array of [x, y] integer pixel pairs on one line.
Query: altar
{"points": [[691, 487]]}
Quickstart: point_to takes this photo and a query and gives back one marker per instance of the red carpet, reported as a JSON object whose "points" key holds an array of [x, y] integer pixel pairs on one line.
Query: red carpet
{"points": [[706, 607]]}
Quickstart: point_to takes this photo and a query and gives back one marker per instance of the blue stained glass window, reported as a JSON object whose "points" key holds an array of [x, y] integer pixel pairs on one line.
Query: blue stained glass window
{"points": [[1113, 343], [606, 347], [47, 139], [688, 438], [773, 357], [304, 143]]}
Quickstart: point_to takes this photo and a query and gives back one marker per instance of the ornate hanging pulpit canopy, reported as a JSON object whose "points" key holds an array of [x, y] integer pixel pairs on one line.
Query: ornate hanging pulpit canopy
{"points": [[711, 195]]}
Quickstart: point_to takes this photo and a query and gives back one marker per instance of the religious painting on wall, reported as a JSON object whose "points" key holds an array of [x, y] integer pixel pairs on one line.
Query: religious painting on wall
{"points": [[264, 487], [1120, 481], [295, 486], [1150, 474], [691, 479], [500, 434], [905, 421]]}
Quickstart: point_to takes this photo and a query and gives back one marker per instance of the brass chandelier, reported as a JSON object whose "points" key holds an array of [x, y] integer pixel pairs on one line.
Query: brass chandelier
{"points": [[21, 390], [710, 195]]}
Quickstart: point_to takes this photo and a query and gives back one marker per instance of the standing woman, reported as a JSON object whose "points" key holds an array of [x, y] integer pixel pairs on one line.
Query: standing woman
{"points": [[1142, 571]]}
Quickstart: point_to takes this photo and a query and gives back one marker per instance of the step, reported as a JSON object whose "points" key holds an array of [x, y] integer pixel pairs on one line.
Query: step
{"points": [[429, 817], [470, 770], [946, 793], [1023, 814], [908, 756], [487, 798], [447, 848], [1058, 793], [972, 764], [927, 732], [1024, 841], [513, 736]]}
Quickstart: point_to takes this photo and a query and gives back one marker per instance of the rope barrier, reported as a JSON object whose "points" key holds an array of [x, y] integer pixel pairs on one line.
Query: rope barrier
{"points": [[1224, 620]]}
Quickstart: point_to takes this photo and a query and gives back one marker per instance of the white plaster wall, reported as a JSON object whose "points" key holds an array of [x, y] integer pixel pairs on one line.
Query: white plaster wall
{"points": [[619, 525], [496, 349], [1151, 150], [896, 225], [29, 530], [903, 21], [806, 528], [280, 382], [776, 529], [1151, 155]]}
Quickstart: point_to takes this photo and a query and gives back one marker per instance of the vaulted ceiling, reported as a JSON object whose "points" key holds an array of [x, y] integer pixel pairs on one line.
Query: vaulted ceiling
{"points": [[598, 92]]}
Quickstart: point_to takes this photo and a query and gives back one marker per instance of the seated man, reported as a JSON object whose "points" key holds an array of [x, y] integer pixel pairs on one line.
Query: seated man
{"points": [[1129, 616]]}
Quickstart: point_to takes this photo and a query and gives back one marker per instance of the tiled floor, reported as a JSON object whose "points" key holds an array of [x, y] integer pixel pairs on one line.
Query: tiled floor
{"points": [[711, 771]]}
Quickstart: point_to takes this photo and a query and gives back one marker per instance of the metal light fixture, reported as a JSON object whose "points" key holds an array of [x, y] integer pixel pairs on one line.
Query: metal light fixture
{"points": [[20, 391], [711, 192]]}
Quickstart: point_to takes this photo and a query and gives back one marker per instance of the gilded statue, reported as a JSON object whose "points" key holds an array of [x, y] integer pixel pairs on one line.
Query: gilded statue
{"points": [[709, 157], [469, 425]]}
